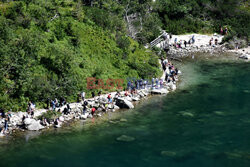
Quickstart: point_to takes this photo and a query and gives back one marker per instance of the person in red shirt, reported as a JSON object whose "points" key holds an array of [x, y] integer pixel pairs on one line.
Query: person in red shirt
{"points": [[93, 111], [109, 96]]}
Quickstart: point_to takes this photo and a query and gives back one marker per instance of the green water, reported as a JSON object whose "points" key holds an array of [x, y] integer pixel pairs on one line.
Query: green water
{"points": [[206, 122]]}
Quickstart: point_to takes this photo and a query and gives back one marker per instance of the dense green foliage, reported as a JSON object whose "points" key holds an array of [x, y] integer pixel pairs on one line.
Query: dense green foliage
{"points": [[176, 16], [49, 48]]}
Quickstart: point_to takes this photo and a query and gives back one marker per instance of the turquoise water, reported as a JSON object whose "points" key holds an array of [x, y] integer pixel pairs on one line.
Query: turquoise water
{"points": [[205, 123]]}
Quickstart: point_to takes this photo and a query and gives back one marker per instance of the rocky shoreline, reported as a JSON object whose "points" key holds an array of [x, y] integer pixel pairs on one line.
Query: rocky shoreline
{"points": [[201, 44], [22, 121]]}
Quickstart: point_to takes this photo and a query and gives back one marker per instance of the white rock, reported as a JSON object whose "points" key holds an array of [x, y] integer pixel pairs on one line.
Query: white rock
{"points": [[84, 116], [39, 112], [135, 98], [159, 91], [90, 116], [28, 121], [121, 102], [61, 118], [116, 107], [128, 98], [35, 126]]}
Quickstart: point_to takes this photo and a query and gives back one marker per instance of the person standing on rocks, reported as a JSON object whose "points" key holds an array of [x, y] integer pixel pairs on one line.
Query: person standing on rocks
{"points": [[226, 31], [6, 120], [85, 104], [68, 107], [129, 85], [93, 94], [53, 105], [93, 111], [157, 82], [2, 113], [48, 103], [83, 96], [144, 84], [216, 41], [99, 93], [141, 83], [185, 43], [221, 30], [210, 42], [236, 46], [153, 80], [193, 40], [166, 76]]}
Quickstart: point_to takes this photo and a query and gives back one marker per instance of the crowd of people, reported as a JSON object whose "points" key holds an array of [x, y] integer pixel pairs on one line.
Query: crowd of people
{"points": [[224, 31], [213, 41], [104, 103], [170, 71], [180, 43]]}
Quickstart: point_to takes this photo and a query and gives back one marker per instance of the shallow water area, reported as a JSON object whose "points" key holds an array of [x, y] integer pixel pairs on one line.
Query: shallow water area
{"points": [[206, 122]]}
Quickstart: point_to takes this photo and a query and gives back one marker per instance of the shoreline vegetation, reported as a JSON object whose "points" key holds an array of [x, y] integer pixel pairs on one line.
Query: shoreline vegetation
{"points": [[38, 119], [49, 47], [56, 115]]}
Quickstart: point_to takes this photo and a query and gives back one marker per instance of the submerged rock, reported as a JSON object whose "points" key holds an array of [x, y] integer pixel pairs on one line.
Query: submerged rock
{"points": [[113, 122], [238, 155], [186, 114], [168, 153], [220, 113], [123, 120], [125, 138], [246, 91]]}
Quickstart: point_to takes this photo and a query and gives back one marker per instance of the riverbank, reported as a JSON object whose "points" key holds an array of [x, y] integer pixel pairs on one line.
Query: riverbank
{"points": [[101, 104], [198, 43]]}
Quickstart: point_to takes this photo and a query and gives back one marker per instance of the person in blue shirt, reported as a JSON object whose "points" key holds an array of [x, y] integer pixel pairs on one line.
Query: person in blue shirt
{"points": [[153, 81]]}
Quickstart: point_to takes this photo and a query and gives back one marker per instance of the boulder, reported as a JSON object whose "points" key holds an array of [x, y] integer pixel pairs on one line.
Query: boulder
{"points": [[75, 105], [39, 112], [90, 116], [125, 138], [159, 91], [19, 114], [144, 92], [28, 121], [35, 126], [84, 116], [141, 94], [128, 98], [123, 103], [116, 107], [135, 98], [103, 100], [61, 118], [245, 56]]}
